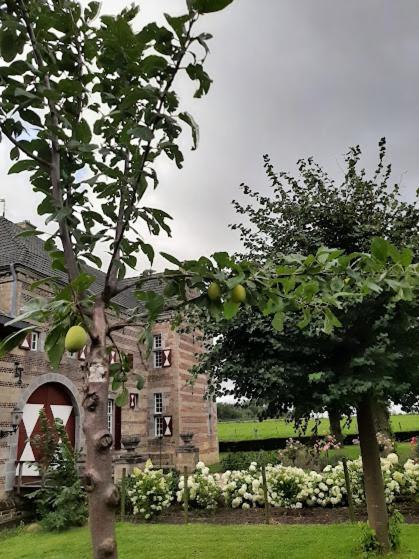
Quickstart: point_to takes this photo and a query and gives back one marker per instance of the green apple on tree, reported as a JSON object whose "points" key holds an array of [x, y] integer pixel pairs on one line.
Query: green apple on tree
{"points": [[75, 339], [238, 294]]}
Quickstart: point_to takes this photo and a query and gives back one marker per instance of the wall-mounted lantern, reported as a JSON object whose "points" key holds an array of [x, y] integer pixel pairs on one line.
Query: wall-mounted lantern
{"points": [[16, 419], [18, 372]]}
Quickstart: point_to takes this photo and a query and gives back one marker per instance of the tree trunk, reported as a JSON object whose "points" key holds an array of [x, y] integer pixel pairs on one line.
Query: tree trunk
{"points": [[382, 418], [335, 425], [373, 477], [102, 493]]}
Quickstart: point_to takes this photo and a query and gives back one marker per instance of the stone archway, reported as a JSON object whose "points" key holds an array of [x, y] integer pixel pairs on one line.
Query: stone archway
{"points": [[36, 388]]}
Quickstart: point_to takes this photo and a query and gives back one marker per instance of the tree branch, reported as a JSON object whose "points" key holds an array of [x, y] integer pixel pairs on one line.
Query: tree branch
{"points": [[55, 165], [23, 149], [118, 238]]}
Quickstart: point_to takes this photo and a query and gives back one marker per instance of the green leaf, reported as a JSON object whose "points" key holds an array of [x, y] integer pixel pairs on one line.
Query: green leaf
{"points": [[82, 132], [23, 165], [278, 321], [122, 399], [171, 259], [330, 322], [29, 233], [9, 45], [70, 88], [142, 132], [305, 321], [13, 340], [315, 377], [140, 383], [406, 257], [222, 259], [32, 117], [197, 72], [380, 249], [178, 25], [54, 344], [92, 10], [82, 282], [208, 6], [230, 309], [186, 117]]}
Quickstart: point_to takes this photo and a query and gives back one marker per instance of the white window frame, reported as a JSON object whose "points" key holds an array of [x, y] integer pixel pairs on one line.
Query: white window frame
{"points": [[157, 341], [34, 341], [158, 403], [158, 359], [110, 416], [158, 351], [158, 426]]}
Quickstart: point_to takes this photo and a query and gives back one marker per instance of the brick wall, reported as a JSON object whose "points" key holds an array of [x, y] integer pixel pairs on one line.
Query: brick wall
{"points": [[185, 403]]}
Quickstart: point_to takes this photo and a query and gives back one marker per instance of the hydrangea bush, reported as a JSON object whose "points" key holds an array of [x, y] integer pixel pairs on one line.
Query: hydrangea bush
{"points": [[150, 491], [204, 489]]}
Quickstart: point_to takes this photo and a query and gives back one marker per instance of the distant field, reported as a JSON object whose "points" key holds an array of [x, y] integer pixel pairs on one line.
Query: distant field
{"points": [[272, 428]]}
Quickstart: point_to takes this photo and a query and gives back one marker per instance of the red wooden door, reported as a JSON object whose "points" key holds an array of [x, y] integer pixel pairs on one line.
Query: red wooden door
{"points": [[56, 402]]}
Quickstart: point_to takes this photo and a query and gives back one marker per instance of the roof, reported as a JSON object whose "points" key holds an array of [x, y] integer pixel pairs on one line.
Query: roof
{"points": [[28, 252]]}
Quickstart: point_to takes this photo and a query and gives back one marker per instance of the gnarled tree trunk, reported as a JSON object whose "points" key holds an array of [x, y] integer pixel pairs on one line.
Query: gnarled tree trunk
{"points": [[335, 425], [373, 477], [102, 493]]}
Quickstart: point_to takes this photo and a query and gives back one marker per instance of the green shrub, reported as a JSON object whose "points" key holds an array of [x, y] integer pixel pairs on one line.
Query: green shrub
{"points": [[60, 503], [242, 460]]}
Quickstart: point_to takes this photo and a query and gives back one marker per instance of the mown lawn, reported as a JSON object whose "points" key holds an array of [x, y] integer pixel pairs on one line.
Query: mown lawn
{"points": [[207, 542], [271, 428]]}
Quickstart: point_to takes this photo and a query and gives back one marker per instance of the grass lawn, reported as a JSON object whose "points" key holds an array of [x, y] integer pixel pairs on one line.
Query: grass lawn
{"points": [[271, 428], [207, 542]]}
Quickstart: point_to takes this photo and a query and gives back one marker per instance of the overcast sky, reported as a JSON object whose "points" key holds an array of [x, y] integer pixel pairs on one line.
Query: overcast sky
{"points": [[292, 78]]}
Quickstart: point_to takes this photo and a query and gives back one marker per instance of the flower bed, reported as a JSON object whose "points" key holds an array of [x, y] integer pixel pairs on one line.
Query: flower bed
{"points": [[287, 486]]}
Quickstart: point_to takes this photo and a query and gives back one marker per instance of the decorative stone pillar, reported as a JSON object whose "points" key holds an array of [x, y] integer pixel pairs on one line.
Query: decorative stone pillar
{"points": [[128, 459], [188, 454]]}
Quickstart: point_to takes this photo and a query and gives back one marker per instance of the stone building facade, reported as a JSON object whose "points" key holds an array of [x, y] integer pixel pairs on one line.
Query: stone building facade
{"points": [[167, 406]]}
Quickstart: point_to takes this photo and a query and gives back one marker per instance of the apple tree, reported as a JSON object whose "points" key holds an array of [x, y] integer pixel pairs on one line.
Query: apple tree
{"points": [[88, 105]]}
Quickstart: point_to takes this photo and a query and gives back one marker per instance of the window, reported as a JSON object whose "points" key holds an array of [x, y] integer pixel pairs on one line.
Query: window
{"points": [[158, 359], [157, 341], [34, 341], [157, 353], [158, 402], [110, 416], [158, 426]]}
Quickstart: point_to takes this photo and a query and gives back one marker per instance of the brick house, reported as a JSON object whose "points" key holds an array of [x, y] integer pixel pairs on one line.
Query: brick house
{"points": [[166, 407]]}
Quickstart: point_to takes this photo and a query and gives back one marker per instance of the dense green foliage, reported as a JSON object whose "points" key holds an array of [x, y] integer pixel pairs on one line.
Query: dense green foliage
{"points": [[210, 542], [229, 412], [376, 349], [61, 501]]}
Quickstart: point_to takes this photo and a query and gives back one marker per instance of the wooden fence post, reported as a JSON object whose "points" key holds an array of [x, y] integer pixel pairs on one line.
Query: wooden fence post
{"points": [[185, 495], [265, 495], [123, 493], [348, 490]]}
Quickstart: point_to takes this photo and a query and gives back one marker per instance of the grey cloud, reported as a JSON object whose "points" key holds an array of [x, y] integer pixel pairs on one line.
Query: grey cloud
{"points": [[290, 78]]}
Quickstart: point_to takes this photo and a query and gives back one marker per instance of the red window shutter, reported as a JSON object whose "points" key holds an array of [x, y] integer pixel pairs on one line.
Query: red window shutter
{"points": [[167, 357], [167, 426], [112, 357], [118, 424]]}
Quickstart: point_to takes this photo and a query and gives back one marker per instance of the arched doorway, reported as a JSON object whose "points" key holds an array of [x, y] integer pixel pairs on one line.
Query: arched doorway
{"points": [[56, 402]]}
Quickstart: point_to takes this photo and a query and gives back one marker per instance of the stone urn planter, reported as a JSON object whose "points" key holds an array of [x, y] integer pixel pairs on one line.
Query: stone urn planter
{"points": [[130, 442], [187, 438]]}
